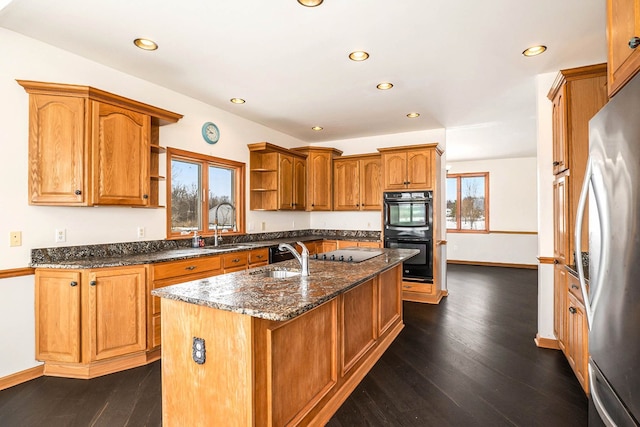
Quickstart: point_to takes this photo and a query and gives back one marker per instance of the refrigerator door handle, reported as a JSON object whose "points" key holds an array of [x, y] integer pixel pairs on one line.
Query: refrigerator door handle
{"points": [[597, 401], [591, 179]]}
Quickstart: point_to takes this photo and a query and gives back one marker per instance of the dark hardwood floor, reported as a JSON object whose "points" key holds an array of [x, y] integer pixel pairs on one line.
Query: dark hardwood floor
{"points": [[470, 361]]}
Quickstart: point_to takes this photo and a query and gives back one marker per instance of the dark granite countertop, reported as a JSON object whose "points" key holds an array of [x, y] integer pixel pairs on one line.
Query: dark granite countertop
{"points": [[136, 253], [250, 292]]}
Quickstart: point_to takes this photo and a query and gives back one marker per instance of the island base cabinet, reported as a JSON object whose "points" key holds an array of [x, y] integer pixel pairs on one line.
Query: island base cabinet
{"points": [[261, 372]]}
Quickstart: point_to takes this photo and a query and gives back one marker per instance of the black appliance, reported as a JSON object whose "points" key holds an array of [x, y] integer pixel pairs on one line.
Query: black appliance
{"points": [[408, 224], [277, 255], [348, 255], [612, 186]]}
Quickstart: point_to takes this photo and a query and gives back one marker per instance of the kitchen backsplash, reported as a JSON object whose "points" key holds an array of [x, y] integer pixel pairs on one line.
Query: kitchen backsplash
{"points": [[69, 253]]}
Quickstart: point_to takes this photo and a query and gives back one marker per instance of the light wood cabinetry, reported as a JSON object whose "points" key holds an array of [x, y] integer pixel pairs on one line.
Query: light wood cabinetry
{"points": [[408, 167], [577, 338], [89, 147], [623, 37], [261, 372], [357, 185], [169, 273], [278, 178], [341, 244], [577, 95], [319, 176], [236, 261], [90, 322], [258, 257]]}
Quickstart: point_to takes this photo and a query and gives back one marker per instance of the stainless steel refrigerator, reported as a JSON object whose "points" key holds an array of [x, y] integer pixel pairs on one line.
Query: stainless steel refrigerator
{"points": [[612, 186]]}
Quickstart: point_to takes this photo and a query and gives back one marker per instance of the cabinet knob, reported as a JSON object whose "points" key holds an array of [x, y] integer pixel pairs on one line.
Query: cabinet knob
{"points": [[312, 204], [78, 192], [73, 284], [556, 163], [634, 42], [572, 310], [93, 283], [556, 262], [145, 196]]}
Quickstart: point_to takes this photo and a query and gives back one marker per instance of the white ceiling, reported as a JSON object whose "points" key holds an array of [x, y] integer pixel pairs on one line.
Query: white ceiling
{"points": [[457, 63]]}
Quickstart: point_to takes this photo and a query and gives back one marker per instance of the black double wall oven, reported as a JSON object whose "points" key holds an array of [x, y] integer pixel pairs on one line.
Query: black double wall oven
{"points": [[408, 223]]}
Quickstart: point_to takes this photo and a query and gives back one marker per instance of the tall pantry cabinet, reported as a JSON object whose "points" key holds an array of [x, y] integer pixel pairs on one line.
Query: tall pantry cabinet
{"points": [[577, 95]]}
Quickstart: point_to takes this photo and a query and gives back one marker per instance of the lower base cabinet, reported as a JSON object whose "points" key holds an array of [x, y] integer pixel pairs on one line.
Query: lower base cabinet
{"points": [[90, 322], [577, 333], [267, 373]]}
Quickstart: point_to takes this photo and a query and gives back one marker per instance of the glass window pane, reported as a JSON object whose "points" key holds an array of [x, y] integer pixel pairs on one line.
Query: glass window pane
{"points": [[221, 201], [452, 196], [185, 196], [472, 205]]}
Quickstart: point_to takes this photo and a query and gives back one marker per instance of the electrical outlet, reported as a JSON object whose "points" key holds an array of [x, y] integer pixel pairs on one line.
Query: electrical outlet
{"points": [[140, 232], [61, 235], [198, 351], [15, 238], [263, 226], [293, 224]]}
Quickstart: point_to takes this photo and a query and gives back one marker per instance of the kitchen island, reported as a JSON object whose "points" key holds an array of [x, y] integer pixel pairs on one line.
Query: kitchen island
{"points": [[248, 349]]}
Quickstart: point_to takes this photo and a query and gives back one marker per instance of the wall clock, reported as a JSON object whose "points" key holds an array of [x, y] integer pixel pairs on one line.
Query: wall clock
{"points": [[210, 133]]}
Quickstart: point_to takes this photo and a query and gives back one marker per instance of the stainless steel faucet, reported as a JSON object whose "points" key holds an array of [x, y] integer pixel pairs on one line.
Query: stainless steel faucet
{"points": [[302, 259], [215, 221]]}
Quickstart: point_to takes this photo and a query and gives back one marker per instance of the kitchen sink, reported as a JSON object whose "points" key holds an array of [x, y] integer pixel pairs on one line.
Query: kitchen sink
{"points": [[276, 273]]}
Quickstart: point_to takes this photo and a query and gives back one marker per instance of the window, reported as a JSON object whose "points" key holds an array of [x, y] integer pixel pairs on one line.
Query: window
{"points": [[468, 202], [204, 192]]}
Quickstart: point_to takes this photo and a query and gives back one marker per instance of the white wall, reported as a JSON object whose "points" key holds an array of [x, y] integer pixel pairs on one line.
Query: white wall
{"points": [[545, 205], [512, 208]]}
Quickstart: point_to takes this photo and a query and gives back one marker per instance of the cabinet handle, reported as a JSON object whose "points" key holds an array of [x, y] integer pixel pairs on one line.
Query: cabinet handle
{"points": [[235, 260], [74, 283], [634, 42], [575, 287], [572, 310], [78, 192], [145, 196], [556, 163], [93, 283], [191, 267], [259, 256]]}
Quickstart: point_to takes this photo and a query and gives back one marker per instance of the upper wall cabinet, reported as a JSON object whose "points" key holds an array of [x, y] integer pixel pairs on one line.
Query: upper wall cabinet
{"points": [[623, 37], [89, 147], [409, 167], [319, 176], [278, 178], [357, 183]]}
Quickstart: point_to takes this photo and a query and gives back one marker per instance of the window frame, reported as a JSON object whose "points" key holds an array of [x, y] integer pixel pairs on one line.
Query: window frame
{"points": [[458, 177], [205, 161]]}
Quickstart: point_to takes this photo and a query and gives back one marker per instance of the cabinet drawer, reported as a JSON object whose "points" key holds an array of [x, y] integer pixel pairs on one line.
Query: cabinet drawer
{"points": [[259, 256], [425, 288], [235, 260], [188, 266], [573, 285]]}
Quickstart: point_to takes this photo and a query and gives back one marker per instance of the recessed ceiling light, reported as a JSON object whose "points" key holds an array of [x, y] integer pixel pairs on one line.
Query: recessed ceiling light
{"points": [[534, 50], [413, 115], [237, 100], [385, 86], [145, 44], [310, 3], [317, 128], [358, 55]]}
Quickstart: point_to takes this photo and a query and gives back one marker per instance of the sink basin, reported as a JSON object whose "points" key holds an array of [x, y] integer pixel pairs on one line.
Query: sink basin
{"points": [[280, 274], [274, 273]]}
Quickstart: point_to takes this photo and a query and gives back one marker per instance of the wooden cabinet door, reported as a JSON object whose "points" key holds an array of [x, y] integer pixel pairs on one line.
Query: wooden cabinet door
{"points": [[623, 25], [299, 184], [419, 169], [57, 307], [559, 124], [370, 185], [285, 182], [577, 340], [359, 323], [320, 181], [346, 195], [561, 235], [57, 150], [115, 299], [389, 299], [395, 171], [560, 305], [121, 153]]}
